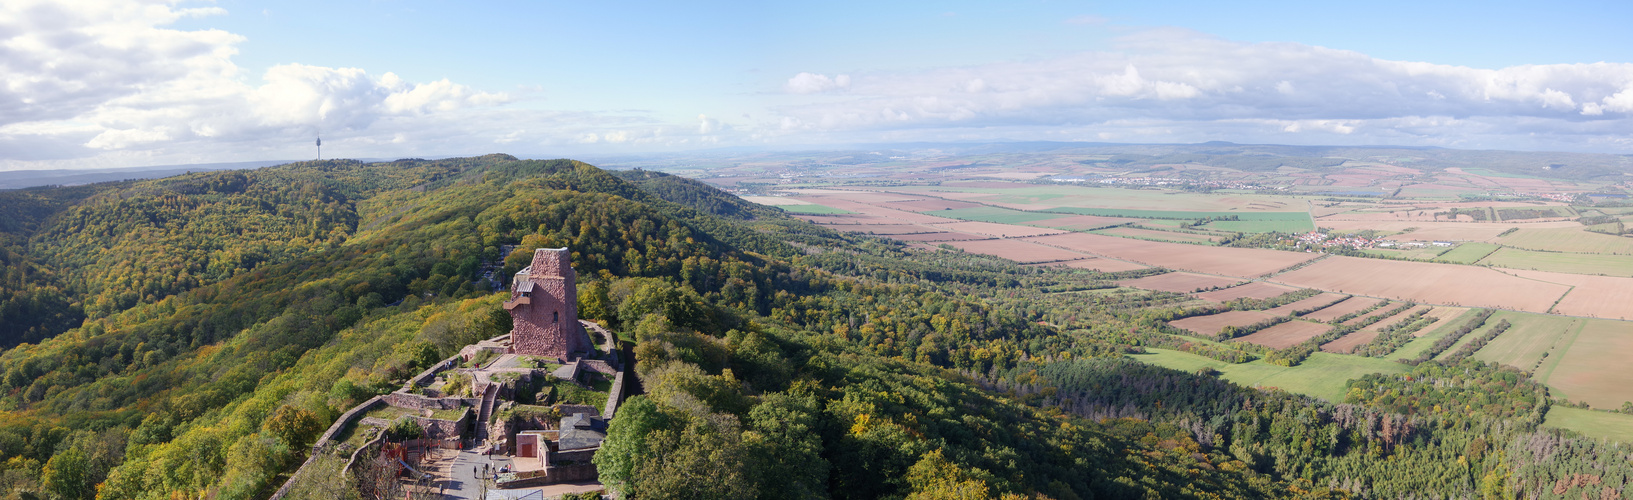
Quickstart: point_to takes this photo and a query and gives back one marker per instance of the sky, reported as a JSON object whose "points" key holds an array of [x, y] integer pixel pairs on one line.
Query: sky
{"points": [[117, 83]]}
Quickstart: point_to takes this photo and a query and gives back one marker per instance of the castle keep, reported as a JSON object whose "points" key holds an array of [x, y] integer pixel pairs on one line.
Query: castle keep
{"points": [[543, 308]]}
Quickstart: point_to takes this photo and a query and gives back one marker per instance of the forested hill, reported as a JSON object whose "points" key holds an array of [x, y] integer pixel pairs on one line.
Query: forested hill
{"points": [[210, 325]]}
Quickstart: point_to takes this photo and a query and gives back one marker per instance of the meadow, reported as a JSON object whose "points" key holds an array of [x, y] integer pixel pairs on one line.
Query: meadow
{"points": [[1562, 262], [1467, 253], [1324, 375]]}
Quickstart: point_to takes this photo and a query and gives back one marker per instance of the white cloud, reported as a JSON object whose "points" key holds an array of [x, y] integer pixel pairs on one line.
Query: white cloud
{"points": [[106, 83], [812, 83], [1185, 80]]}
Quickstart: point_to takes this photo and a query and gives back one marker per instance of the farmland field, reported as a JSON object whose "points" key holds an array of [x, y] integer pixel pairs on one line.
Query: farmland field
{"points": [[1241, 262], [1324, 299], [1285, 335], [1263, 226], [1574, 263], [1080, 222], [1148, 234], [1596, 424], [1324, 375], [994, 214], [1450, 319], [1253, 290], [939, 236], [1595, 296], [997, 230], [1568, 240], [813, 209], [1103, 265], [1018, 251], [1586, 370], [1424, 282], [1524, 343], [1179, 282], [1353, 304], [1210, 325], [1378, 313], [1467, 253]]}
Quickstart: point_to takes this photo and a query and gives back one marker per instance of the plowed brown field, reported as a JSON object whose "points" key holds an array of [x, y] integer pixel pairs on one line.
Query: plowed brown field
{"points": [[1211, 325], [1286, 334], [1242, 262], [1253, 290], [1595, 296], [1426, 283], [1017, 250], [999, 230], [1179, 282], [1348, 306]]}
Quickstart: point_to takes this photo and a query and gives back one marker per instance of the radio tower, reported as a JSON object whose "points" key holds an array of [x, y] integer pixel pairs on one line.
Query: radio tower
{"points": [[320, 148]]}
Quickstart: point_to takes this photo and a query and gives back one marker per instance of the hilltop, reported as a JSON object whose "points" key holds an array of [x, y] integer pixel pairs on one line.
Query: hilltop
{"points": [[199, 330]]}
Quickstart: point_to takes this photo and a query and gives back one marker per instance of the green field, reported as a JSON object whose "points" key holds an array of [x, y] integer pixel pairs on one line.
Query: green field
{"points": [[1095, 196], [1568, 240], [1422, 253], [1156, 235], [1468, 253], [814, 210], [993, 214], [1323, 375], [1598, 424], [1575, 263], [1416, 347], [1524, 343]]}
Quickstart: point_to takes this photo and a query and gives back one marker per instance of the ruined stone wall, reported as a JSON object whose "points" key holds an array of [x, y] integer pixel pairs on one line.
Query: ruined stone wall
{"points": [[444, 429], [418, 402]]}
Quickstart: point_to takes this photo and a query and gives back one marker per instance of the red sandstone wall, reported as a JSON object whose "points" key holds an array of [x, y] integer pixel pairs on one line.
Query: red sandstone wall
{"points": [[548, 326]]}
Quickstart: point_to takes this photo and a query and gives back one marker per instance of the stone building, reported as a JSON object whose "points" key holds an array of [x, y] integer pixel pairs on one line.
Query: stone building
{"points": [[543, 308]]}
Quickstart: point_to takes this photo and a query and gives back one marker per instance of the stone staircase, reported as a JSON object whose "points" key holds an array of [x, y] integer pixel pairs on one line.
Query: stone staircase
{"points": [[485, 412]]}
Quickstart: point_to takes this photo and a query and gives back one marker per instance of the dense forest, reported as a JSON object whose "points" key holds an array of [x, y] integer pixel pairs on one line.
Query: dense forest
{"points": [[189, 337]]}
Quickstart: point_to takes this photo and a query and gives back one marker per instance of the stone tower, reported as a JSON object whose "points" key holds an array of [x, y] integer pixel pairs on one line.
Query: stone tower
{"points": [[543, 308]]}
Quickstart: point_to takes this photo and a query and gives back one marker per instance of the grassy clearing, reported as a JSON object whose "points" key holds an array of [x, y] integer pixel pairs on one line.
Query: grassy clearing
{"points": [[1323, 375], [1468, 253], [993, 214], [814, 209], [1599, 424], [1575, 263]]}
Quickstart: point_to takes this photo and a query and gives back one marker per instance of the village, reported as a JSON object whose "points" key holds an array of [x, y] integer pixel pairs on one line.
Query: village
{"points": [[518, 416]]}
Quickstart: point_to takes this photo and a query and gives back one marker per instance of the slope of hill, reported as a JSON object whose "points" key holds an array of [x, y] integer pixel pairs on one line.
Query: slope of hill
{"points": [[778, 358]]}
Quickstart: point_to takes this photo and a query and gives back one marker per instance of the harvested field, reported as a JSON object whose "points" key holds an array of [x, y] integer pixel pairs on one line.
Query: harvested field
{"points": [[1592, 368], [1349, 342], [1424, 282], [1594, 296], [848, 203], [1104, 265], [928, 204], [1380, 312], [1286, 334], [1568, 240], [997, 215], [1252, 290], [1350, 305], [1210, 325], [773, 200], [998, 230], [1179, 282], [849, 219], [941, 236], [1384, 323], [1148, 234], [883, 228], [1574, 263], [1325, 299], [1242, 262], [1439, 231], [1018, 251], [1081, 222]]}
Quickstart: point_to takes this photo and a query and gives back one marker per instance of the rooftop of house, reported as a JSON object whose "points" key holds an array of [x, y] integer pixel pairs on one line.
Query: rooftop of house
{"points": [[580, 431]]}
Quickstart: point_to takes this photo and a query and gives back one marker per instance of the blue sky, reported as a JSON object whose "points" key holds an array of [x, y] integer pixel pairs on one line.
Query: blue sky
{"points": [[133, 82]]}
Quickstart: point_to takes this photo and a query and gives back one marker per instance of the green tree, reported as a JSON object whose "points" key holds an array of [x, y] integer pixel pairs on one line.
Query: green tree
{"points": [[67, 476]]}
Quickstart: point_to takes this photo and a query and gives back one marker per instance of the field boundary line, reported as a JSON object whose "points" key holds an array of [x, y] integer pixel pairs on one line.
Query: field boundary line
{"points": [[1553, 360]]}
